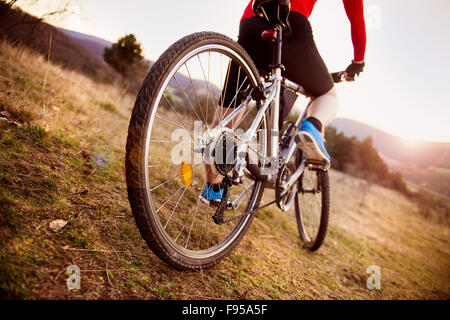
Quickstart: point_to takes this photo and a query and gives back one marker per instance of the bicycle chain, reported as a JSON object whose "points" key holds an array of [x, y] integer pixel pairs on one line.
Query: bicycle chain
{"points": [[218, 216]]}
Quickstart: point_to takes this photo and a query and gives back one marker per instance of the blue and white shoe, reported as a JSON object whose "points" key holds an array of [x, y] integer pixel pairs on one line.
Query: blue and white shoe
{"points": [[310, 140], [211, 197]]}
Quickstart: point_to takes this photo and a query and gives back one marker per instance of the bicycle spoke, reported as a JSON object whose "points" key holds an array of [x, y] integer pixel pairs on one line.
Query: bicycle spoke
{"points": [[173, 210], [222, 115], [207, 85], [160, 185], [190, 230], [198, 201], [189, 101], [237, 84], [170, 122], [318, 200], [237, 92], [173, 195], [203, 226], [242, 119], [226, 84], [195, 92], [243, 193], [176, 113], [167, 141]]}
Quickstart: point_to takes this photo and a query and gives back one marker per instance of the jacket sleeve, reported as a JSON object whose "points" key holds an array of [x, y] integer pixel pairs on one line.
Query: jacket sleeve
{"points": [[355, 13]]}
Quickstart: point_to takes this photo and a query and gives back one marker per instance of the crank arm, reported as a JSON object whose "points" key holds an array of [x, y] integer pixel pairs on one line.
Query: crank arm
{"points": [[294, 177], [289, 152]]}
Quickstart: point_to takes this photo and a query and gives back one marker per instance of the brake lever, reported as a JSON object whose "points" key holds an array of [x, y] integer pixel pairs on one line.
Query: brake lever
{"points": [[337, 76]]}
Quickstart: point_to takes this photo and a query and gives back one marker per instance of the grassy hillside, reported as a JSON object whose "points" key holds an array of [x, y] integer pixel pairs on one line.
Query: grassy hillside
{"points": [[62, 141]]}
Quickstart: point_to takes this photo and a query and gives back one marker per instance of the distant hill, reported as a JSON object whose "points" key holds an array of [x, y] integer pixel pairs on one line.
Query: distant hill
{"points": [[95, 44], [424, 165], [21, 28]]}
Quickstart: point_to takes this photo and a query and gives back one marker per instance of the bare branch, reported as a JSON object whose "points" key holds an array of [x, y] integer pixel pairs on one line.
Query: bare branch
{"points": [[5, 6]]}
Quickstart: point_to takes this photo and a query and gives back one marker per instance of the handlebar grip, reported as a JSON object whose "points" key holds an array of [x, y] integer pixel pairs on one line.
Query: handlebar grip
{"points": [[337, 76]]}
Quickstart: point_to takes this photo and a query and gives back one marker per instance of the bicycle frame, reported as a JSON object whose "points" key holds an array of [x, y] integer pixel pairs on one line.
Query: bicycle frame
{"points": [[272, 88]]}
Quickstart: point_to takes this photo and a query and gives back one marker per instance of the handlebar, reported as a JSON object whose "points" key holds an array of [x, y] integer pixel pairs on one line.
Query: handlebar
{"points": [[337, 76]]}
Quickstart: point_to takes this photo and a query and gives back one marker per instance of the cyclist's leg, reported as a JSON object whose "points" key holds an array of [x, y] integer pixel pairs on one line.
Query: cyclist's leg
{"points": [[325, 107], [301, 58], [259, 50], [322, 111], [261, 53], [305, 66]]}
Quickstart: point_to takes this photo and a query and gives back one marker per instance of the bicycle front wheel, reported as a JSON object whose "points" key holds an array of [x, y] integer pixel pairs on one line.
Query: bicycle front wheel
{"points": [[180, 95], [312, 207]]}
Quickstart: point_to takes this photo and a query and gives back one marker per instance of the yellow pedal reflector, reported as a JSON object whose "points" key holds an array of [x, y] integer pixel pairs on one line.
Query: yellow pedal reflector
{"points": [[186, 173]]}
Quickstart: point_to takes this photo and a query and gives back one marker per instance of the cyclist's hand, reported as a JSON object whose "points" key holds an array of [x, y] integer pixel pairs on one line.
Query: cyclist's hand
{"points": [[355, 68]]}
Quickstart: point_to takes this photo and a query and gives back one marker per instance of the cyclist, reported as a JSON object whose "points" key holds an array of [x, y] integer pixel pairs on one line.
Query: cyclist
{"points": [[304, 66]]}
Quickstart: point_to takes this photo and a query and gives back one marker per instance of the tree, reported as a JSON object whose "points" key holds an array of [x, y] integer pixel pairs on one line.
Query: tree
{"points": [[397, 182], [125, 56], [36, 13], [362, 159], [341, 148]]}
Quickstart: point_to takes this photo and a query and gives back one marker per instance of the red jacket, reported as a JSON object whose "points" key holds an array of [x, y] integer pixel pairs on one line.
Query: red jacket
{"points": [[355, 13]]}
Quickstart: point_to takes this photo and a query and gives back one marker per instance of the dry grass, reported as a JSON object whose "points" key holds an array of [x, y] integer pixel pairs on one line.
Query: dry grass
{"points": [[48, 170]]}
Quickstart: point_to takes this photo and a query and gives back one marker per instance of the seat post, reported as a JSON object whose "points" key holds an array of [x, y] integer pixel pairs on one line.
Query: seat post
{"points": [[278, 49], [277, 67]]}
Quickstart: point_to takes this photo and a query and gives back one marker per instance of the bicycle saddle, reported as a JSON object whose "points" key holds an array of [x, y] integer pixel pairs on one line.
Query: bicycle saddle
{"points": [[276, 12]]}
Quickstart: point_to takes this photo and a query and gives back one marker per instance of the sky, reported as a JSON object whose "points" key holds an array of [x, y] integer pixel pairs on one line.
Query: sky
{"points": [[403, 89]]}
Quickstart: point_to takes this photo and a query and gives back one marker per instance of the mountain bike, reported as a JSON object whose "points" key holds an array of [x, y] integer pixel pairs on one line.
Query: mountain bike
{"points": [[252, 148]]}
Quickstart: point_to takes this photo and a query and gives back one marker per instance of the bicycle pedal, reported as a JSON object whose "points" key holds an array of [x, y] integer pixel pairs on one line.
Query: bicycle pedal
{"points": [[215, 203], [317, 165]]}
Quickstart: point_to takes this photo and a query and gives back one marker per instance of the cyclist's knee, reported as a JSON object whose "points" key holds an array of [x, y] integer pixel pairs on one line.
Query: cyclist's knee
{"points": [[332, 92]]}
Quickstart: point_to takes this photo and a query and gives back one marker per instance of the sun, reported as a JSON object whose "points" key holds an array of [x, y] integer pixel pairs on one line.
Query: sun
{"points": [[411, 142]]}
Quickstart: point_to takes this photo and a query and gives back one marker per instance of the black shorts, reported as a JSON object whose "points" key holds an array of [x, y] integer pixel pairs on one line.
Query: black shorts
{"points": [[300, 56]]}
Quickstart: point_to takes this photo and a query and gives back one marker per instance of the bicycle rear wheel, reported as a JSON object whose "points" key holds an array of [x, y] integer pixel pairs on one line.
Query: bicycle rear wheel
{"points": [[312, 207], [180, 95]]}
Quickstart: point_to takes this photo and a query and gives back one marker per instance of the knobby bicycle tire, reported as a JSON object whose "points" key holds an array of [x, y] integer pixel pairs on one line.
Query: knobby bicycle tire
{"points": [[135, 172]]}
